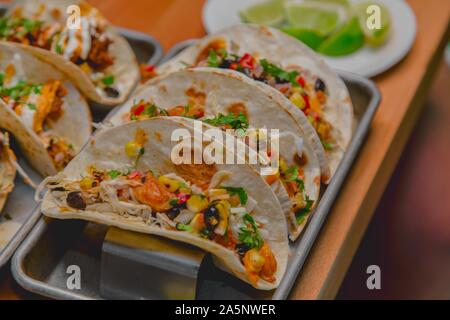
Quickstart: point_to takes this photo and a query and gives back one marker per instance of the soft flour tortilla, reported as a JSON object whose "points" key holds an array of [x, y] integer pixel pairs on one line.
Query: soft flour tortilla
{"points": [[290, 54], [125, 68], [74, 125], [224, 88], [106, 152], [7, 170]]}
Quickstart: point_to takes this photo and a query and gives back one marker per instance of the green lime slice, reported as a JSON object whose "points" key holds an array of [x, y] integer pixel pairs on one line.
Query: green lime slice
{"points": [[346, 41], [375, 36], [322, 18], [311, 38], [269, 13]]}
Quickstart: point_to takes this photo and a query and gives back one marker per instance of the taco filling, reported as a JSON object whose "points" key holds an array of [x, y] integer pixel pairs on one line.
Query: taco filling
{"points": [[307, 92], [88, 47], [37, 105], [292, 177], [175, 202]]}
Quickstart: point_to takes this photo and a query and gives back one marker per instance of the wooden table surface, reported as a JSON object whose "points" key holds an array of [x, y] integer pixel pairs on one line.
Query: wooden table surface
{"points": [[404, 89]]}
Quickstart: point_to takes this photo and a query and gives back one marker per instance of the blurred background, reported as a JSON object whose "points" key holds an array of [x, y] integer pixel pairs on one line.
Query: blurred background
{"points": [[409, 236]]}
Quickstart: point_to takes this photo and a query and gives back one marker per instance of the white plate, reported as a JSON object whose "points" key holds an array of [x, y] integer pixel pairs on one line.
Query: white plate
{"points": [[369, 62]]}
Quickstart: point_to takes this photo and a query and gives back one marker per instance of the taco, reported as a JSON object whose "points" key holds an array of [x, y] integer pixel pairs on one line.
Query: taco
{"points": [[94, 56], [279, 61], [7, 169], [44, 111], [126, 178], [230, 100]]}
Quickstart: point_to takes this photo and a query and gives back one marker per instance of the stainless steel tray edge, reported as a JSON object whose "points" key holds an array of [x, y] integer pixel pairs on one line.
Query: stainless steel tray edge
{"points": [[39, 287], [317, 220]]}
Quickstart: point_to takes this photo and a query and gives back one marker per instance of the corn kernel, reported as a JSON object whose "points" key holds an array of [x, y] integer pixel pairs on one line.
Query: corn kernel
{"points": [[298, 100], [132, 149], [299, 202], [170, 184], [86, 183], [197, 203]]}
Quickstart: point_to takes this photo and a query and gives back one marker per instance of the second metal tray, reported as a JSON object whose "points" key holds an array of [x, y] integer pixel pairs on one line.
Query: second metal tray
{"points": [[40, 264]]}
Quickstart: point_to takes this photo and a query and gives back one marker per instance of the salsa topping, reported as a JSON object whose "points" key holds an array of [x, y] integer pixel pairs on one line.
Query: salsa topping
{"points": [[36, 104], [88, 47], [305, 91], [220, 214]]}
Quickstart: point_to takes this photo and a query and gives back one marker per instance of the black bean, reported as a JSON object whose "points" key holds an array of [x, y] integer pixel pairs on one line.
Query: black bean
{"points": [[320, 85], [281, 81], [242, 249], [173, 212], [226, 64], [111, 92], [212, 217], [75, 200]]}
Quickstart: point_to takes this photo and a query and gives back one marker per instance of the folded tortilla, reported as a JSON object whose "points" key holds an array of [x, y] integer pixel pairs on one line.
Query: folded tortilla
{"points": [[283, 63], [230, 100], [42, 109], [93, 55], [126, 177], [7, 169]]}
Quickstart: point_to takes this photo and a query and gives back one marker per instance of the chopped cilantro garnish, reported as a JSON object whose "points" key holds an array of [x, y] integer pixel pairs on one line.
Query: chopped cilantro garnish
{"points": [[249, 235], [235, 122], [183, 227], [31, 25], [2, 77], [279, 73], [58, 49], [214, 60], [21, 89], [243, 197], [301, 214], [291, 175], [113, 174], [32, 106], [173, 202], [108, 80], [327, 146]]}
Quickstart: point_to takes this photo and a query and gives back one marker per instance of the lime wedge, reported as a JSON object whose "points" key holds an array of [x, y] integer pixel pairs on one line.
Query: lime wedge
{"points": [[269, 13], [322, 18], [346, 41], [375, 36], [311, 38]]}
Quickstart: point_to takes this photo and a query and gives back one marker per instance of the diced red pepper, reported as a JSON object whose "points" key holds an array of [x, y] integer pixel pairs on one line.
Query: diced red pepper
{"points": [[307, 102], [247, 61], [234, 66], [301, 81], [135, 175], [150, 68], [182, 198], [139, 109]]}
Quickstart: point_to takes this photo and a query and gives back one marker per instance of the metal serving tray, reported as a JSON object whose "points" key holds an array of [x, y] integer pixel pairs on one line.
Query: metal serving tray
{"points": [[41, 262], [21, 212]]}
